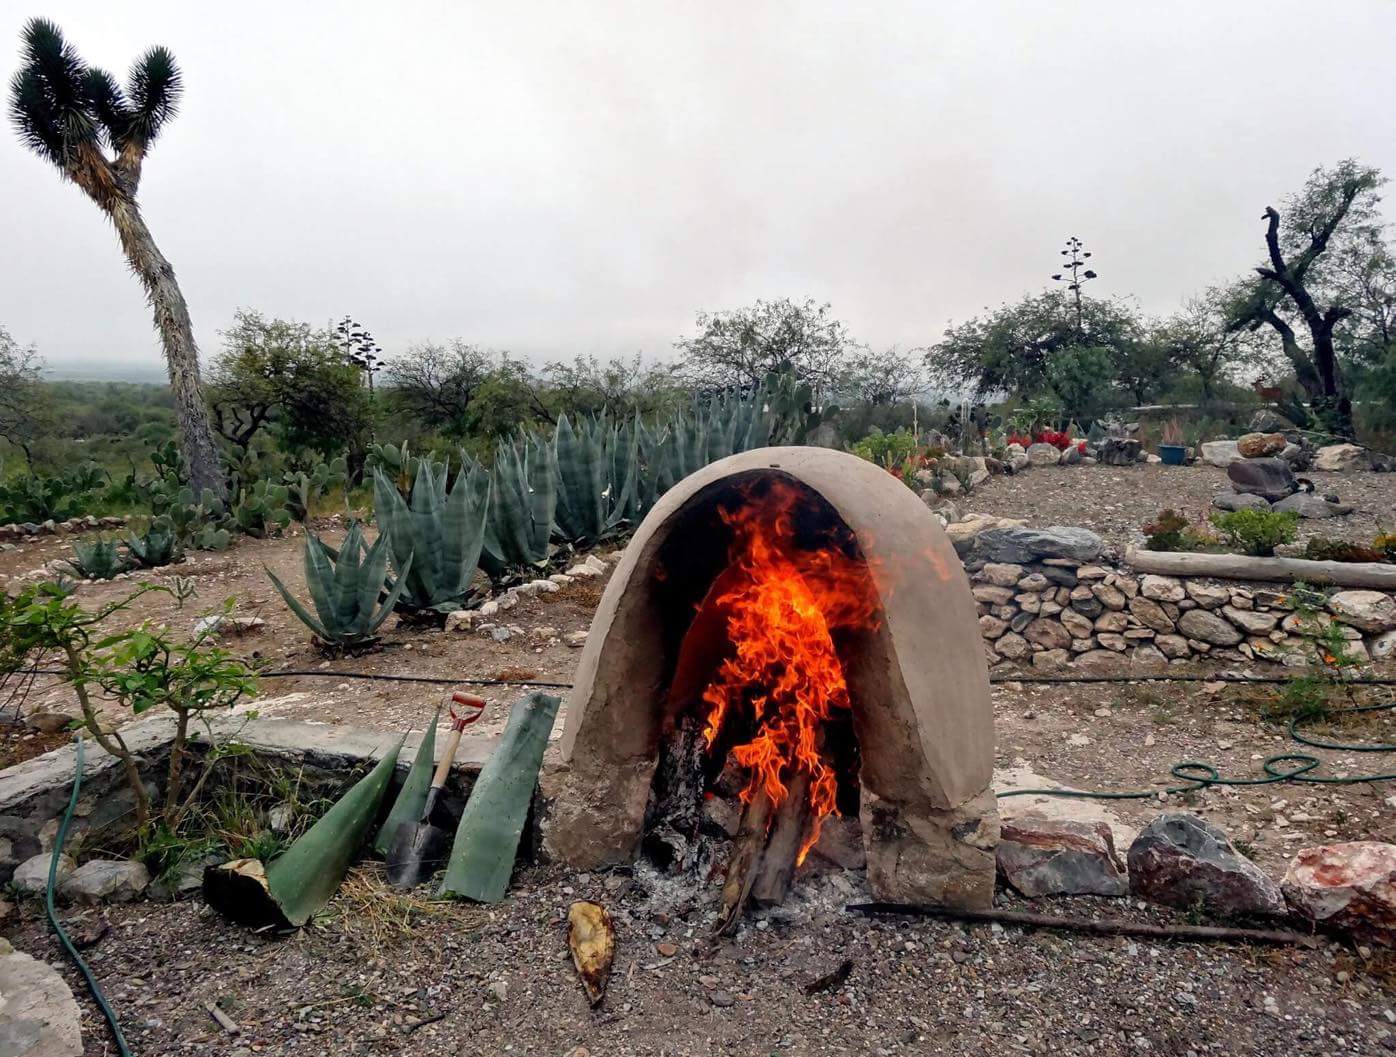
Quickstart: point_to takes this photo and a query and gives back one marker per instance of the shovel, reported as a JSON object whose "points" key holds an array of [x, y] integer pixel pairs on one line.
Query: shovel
{"points": [[419, 848]]}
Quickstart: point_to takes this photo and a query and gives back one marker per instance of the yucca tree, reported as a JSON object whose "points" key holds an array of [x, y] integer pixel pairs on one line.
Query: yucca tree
{"points": [[97, 134]]}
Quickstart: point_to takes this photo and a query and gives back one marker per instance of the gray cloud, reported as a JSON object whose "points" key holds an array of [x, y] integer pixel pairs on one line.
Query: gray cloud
{"points": [[565, 178]]}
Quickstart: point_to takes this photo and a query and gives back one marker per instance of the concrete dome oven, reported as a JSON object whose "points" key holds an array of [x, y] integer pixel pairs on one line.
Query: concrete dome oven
{"points": [[918, 685]]}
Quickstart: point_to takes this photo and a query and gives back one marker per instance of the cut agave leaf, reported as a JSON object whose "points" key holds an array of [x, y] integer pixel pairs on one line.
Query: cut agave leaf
{"points": [[412, 797], [287, 893], [487, 838]]}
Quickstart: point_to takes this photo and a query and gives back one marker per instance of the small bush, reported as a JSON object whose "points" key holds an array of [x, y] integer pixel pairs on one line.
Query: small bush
{"points": [[1324, 549], [1170, 531], [1257, 532]]}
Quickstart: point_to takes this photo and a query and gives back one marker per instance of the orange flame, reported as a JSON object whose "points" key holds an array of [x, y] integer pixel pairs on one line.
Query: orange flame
{"points": [[783, 607]]}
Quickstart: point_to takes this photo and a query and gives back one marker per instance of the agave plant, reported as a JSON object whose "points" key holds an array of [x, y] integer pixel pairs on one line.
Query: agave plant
{"points": [[157, 546], [445, 530], [523, 502], [595, 470], [97, 559], [345, 588]]}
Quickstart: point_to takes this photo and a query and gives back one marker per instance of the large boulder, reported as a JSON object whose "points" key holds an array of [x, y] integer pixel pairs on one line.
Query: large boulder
{"points": [[1205, 626], [965, 531], [1020, 545], [38, 1015], [1220, 452], [1044, 454], [1181, 861], [1230, 500], [1349, 887], [1271, 479], [1339, 457], [1260, 445], [1369, 611], [1044, 857]]}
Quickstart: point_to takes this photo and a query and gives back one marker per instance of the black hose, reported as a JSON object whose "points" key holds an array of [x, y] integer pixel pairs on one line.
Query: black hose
{"points": [[92, 985]]}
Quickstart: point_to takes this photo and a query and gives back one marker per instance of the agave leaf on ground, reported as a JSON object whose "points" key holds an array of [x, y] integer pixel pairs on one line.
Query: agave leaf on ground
{"points": [[288, 892], [487, 839], [592, 939]]}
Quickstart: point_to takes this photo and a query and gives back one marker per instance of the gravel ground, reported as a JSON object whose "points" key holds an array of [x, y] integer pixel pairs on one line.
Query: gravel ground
{"points": [[500, 981], [1115, 501], [357, 983]]}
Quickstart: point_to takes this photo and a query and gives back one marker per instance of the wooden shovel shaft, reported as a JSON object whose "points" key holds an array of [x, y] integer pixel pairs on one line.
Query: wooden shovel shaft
{"points": [[448, 756]]}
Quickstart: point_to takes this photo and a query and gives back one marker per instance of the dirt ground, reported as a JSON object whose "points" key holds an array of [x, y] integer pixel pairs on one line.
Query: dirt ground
{"points": [[499, 978]]}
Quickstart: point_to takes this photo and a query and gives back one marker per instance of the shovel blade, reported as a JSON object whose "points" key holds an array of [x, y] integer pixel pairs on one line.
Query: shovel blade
{"points": [[418, 850]]}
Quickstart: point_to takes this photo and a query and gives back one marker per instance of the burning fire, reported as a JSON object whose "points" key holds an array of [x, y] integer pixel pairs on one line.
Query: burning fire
{"points": [[784, 603]]}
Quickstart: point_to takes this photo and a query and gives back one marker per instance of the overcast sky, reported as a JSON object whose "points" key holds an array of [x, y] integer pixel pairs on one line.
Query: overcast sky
{"points": [[557, 179]]}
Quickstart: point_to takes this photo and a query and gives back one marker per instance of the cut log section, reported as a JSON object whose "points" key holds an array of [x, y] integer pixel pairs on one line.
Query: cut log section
{"points": [[1371, 575]]}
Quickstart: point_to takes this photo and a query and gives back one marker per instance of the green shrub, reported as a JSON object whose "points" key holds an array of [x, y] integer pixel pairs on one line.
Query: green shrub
{"points": [[96, 560], [1257, 532], [1324, 549]]}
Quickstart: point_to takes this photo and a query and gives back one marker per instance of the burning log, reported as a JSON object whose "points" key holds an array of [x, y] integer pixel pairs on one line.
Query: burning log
{"points": [[741, 869], [788, 833]]}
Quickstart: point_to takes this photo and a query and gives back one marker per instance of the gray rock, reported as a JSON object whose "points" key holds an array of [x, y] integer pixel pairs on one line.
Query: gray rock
{"points": [[1041, 857], [38, 1017], [48, 721], [1043, 454], [1206, 626], [1220, 452], [1270, 479], [31, 876], [1049, 634], [1020, 545], [1337, 458], [106, 881], [1308, 505], [1117, 451], [1367, 610], [1229, 500], [1179, 860]]}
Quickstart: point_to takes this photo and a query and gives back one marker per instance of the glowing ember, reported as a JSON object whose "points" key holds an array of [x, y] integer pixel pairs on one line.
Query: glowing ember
{"points": [[783, 605]]}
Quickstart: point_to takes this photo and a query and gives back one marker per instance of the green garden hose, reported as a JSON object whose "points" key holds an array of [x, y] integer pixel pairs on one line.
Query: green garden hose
{"points": [[1200, 775], [92, 985]]}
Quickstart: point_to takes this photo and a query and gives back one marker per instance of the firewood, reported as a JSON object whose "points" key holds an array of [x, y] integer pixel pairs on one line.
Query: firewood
{"points": [[1099, 926], [741, 868], [788, 832]]}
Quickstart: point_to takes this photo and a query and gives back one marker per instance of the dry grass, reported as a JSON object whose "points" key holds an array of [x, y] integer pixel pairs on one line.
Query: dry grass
{"points": [[375, 914], [585, 593]]}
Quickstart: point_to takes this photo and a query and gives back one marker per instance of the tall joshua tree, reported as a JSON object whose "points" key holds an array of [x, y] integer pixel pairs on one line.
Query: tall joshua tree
{"points": [[97, 135]]}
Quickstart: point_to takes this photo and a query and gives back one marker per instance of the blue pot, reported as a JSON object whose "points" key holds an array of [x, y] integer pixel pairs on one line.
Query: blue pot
{"points": [[1173, 454]]}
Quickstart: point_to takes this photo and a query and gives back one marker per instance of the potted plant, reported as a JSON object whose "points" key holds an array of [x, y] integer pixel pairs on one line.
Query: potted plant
{"points": [[1171, 448]]}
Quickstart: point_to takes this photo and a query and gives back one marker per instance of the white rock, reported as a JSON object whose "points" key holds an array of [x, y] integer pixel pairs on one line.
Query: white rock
{"points": [[106, 881], [31, 876], [1368, 610], [1339, 457]]}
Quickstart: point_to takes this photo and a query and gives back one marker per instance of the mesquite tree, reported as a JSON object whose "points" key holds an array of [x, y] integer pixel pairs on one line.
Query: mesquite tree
{"points": [[1293, 283], [97, 134]]}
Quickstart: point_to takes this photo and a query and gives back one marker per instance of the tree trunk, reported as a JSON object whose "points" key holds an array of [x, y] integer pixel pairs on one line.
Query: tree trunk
{"points": [[177, 337]]}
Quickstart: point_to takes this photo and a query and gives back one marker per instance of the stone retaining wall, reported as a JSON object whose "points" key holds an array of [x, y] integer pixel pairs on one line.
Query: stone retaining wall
{"points": [[1052, 604], [34, 794], [27, 529]]}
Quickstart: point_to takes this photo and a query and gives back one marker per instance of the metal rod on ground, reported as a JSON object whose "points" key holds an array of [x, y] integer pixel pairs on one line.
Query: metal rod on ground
{"points": [[1101, 927]]}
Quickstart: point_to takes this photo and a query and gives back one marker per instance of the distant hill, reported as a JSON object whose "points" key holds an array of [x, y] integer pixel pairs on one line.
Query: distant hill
{"points": [[105, 371]]}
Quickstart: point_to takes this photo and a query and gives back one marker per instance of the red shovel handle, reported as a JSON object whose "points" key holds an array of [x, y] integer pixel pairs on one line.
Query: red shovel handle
{"points": [[460, 722]]}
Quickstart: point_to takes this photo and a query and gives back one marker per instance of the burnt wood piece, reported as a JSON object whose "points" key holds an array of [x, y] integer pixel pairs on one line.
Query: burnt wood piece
{"points": [[670, 840], [1102, 927], [741, 868], [788, 832]]}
